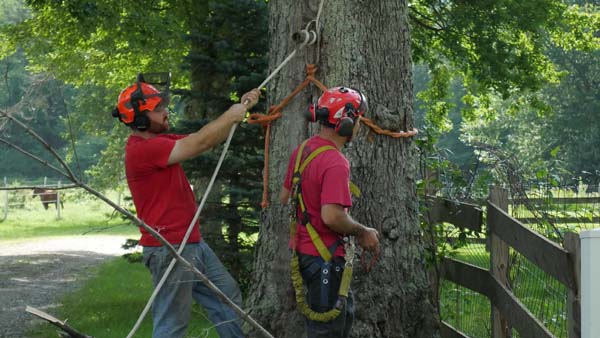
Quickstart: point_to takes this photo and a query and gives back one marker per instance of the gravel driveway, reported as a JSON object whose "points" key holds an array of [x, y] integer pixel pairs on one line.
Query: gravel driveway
{"points": [[37, 272]]}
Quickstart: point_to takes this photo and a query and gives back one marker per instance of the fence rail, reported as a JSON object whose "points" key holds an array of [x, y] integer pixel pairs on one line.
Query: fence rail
{"points": [[31, 187], [505, 232], [556, 200], [544, 253]]}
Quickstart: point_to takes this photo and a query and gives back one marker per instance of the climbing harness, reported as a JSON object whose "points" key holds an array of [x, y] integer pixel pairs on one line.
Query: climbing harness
{"points": [[297, 204]]}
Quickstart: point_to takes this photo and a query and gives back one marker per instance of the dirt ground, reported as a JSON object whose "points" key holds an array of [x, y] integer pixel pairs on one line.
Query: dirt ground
{"points": [[38, 272]]}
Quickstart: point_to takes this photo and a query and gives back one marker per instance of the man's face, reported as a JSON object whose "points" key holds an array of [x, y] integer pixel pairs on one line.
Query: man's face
{"points": [[159, 120]]}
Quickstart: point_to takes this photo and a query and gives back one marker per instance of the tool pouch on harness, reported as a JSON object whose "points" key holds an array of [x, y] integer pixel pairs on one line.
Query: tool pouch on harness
{"points": [[316, 269], [322, 279]]}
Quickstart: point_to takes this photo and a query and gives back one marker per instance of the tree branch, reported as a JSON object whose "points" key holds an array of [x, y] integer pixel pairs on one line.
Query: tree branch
{"points": [[437, 29], [44, 162], [43, 142]]}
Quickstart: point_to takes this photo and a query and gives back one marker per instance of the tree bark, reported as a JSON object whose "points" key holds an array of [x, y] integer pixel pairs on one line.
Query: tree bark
{"points": [[365, 45]]}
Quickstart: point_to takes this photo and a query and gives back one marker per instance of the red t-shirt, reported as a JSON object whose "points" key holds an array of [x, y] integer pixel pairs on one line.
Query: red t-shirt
{"points": [[324, 181], [162, 194]]}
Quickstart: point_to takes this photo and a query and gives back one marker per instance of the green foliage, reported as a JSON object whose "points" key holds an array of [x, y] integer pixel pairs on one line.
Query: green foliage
{"points": [[499, 44], [100, 42], [500, 51]]}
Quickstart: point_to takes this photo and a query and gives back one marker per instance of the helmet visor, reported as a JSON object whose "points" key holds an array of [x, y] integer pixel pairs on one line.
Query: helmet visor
{"points": [[161, 81]]}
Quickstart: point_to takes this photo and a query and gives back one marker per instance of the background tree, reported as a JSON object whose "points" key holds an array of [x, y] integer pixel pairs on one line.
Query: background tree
{"points": [[369, 50], [215, 50]]}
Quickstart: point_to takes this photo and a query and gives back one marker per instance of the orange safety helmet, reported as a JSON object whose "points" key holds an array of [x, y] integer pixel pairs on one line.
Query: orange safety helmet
{"points": [[135, 100], [339, 108]]}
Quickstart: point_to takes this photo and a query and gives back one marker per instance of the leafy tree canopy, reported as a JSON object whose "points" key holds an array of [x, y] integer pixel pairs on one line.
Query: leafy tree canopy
{"points": [[496, 47]]}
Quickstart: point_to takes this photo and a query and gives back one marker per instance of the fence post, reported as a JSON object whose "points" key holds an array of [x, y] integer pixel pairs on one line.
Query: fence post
{"points": [[45, 180], [58, 200], [573, 245], [5, 199], [499, 263]]}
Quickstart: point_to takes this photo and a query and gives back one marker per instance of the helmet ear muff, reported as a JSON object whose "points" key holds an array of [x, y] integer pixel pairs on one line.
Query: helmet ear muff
{"points": [[314, 113], [309, 114], [345, 126], [116, 114], [141, 122]]}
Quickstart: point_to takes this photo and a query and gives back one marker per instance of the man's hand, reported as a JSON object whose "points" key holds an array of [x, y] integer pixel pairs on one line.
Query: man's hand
{"points": [[237, 112], [368, 239], [251, 98]]}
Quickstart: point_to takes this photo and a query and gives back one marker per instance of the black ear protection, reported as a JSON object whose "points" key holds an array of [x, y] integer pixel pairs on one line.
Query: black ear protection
{"points": [[314, 113], [345, 125], [140, 121]]}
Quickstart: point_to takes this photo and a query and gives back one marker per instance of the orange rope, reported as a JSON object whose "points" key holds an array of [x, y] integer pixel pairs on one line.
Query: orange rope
{"points": [[379, 130], [275, 112]]}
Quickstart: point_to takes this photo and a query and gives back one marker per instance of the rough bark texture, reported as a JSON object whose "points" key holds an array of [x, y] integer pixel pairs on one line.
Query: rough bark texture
{"points": [[366, 45]]}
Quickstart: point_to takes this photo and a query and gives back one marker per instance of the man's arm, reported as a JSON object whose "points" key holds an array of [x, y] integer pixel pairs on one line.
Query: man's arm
{"points": [[284, 196], [338, 220], [214, 132]]}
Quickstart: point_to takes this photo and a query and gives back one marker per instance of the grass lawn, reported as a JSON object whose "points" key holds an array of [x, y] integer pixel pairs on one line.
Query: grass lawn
{"points": [[81, 214], [109, 304]]}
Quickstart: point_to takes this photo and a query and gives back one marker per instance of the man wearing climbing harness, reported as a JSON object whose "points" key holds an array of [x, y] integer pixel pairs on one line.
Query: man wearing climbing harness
{"points": [[318, 183], [164, 200]]}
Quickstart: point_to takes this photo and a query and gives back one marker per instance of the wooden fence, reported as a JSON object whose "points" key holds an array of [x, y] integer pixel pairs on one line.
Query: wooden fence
{"points": [[47, 194], [504, 232]]}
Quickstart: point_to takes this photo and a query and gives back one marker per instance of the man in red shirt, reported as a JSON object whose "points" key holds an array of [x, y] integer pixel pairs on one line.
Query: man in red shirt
{"points": [[164, 200], [318, 179]]}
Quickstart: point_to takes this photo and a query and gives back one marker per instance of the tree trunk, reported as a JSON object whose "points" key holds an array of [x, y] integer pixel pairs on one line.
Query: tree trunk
{"points": [[366, 45]]}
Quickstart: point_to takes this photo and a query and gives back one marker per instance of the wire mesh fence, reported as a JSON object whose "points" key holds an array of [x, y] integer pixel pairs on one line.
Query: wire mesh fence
{"points": [[550, 211]]}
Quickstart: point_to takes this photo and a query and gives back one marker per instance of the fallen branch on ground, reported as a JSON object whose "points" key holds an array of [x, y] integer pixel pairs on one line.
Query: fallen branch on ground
{"points": [[71, 332]]}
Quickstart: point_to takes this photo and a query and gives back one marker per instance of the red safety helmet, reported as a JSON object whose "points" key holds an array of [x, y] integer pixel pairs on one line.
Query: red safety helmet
{"points": [[339, 107], [138, 98]]}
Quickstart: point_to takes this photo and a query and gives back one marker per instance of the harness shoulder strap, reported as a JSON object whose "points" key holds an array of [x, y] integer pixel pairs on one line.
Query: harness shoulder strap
{"points": [[299, 168], [300, 164]]}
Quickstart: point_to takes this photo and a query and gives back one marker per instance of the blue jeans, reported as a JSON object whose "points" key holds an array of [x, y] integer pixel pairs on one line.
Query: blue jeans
{"points": [[172, 306]]}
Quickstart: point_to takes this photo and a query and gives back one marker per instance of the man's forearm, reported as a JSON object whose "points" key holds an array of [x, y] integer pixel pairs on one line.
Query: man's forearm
{"points": [[342, 223], [213, 133]]}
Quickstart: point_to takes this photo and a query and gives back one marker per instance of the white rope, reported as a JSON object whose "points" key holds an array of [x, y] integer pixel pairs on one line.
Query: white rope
{"points": [[307, 40], [317, 20]]}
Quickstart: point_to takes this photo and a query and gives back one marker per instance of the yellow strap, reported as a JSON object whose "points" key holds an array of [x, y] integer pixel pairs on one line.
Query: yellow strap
{"points": [[313, 155], [298, 159], [316, 239], [354, 189], [345, 283]]}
